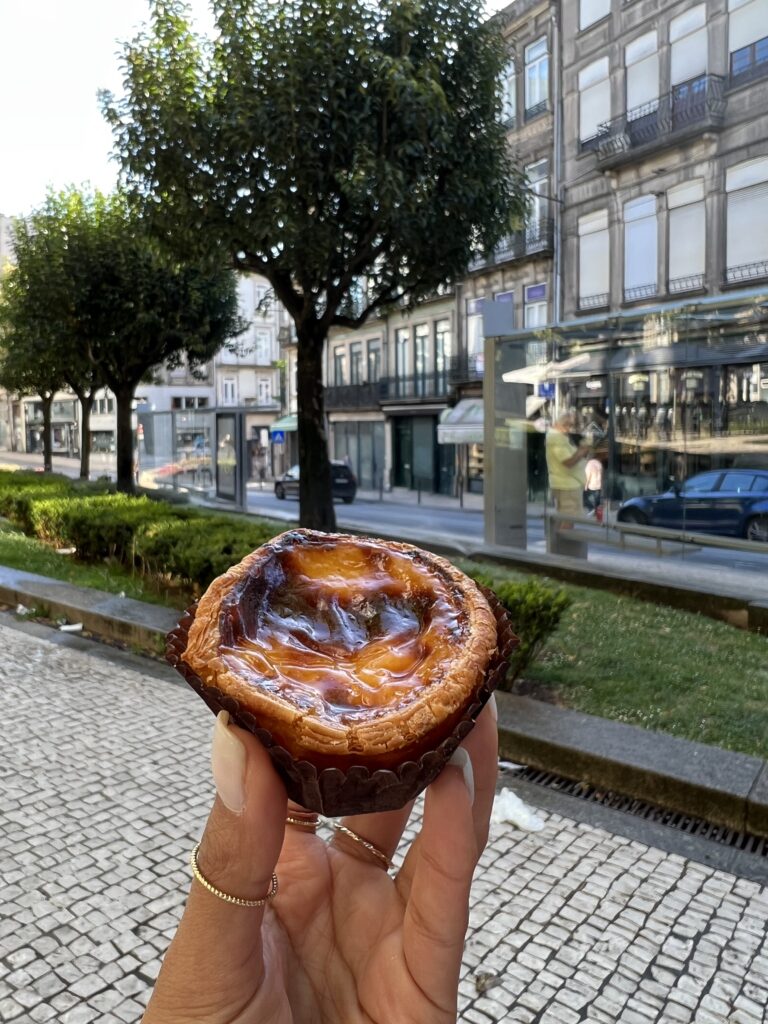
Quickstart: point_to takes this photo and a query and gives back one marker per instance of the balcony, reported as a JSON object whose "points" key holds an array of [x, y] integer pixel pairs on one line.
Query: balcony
{"points": [[536, 239], [418, 387], [747, 272], [688, 110], [353, 396], [465, 369]]}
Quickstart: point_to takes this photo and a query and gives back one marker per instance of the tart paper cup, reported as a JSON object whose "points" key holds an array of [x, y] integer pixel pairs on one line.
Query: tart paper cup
{"points": [[334, 792]]}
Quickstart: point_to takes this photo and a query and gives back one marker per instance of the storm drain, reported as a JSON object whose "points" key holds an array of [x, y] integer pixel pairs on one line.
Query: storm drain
{"points": [[641, 809]]}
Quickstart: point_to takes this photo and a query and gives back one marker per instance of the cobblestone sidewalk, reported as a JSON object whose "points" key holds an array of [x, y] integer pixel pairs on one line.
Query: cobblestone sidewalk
{"points": [[105, 786]]}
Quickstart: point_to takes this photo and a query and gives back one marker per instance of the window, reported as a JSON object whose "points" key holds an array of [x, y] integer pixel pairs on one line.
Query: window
{"points": [[687, 236], [443, 344], [261, 300], [421, 341], [594, 260], [688, 36], [641, 249], [748, 39], [702, 482], [594, 99], [229, 391], [738, 483], [591, 11], [264, 391], [339, 366], [375, 364], [475, 336], [642, 59], [263, 348], [402, 340], [509, 95], [747, 248], [538, 183], [536, 313], [536, 77], [356, 362]]}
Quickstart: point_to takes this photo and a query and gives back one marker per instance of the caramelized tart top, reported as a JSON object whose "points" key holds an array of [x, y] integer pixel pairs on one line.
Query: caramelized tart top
{"points": [[340, 645]]}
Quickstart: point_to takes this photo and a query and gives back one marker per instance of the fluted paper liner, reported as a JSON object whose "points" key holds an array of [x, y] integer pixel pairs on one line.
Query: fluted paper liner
{"points": [[357, 790]]}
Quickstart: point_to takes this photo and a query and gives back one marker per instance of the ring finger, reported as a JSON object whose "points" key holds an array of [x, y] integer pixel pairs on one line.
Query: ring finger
{"points": [[384, 830]]}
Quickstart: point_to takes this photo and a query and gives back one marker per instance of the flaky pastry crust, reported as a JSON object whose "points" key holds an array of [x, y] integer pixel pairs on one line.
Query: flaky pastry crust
{"points": [[347, 650]]}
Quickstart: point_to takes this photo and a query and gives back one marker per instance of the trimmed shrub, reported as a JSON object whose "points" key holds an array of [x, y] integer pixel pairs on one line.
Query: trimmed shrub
{"points": [[200, 548], [19, 491], [98, 527], [535, 611]]}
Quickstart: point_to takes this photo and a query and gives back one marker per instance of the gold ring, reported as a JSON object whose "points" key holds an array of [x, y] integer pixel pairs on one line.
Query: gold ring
{"points": [[236, 900], [377, 853], [303, 819]]}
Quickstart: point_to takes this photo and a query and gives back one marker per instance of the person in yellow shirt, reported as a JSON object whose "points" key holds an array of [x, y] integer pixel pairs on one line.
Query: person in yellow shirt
{"points": [[566, 465]]}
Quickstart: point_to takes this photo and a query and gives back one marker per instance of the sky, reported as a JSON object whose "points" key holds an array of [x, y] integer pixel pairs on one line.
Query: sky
{"points": [[56, 55]]}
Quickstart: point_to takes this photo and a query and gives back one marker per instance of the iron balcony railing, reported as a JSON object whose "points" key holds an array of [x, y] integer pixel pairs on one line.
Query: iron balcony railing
{"points": [[353, 396], [640, 291], [594, 301], [432, 384], [537, 237], [689, 283], [747, 272], [689, 108]]}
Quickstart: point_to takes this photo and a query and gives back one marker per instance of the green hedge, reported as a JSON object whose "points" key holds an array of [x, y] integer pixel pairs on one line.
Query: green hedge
{"points": [[98, 527], [535, 610], [200, 548]]}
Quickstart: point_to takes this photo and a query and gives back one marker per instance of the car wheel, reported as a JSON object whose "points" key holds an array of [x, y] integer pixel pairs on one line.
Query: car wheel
{"points": [[757, 529], [279, 491], [347, 501], [634, 516]]}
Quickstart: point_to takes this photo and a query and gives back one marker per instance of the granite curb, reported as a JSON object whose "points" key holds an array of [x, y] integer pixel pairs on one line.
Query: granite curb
{"points": [[719, 786]]}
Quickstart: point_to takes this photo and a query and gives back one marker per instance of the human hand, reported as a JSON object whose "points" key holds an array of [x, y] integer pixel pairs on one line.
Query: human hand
{"points": [[343, 942]]}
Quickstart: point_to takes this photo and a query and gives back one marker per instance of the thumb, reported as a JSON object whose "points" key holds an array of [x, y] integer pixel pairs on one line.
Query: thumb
{"points": [[215, 959]]}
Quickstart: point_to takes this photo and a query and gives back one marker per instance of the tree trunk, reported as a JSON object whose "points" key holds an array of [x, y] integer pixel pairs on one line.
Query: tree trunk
{"points": [[86, 405], [47, 433], [316, 511], [125, 442]]}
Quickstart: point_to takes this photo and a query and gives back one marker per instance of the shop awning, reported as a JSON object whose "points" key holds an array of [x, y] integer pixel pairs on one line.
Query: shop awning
{"points": [[685, 354], [577, 366], [463, 424], [285, 423]]}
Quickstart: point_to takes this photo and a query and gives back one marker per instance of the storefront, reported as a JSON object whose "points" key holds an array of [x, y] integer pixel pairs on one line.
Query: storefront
{"points": [[361, 444], [460, 433]]}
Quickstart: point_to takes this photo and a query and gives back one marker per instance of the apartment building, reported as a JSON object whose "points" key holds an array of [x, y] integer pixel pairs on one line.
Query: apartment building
{"points": [[664, 241]]}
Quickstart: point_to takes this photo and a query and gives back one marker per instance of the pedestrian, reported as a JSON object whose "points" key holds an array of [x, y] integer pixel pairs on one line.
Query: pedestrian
{"points": [[343, 940], [593, 485], [565, 465]]}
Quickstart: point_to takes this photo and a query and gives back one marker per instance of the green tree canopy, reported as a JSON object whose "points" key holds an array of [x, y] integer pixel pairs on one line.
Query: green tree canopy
{"points": [[322, 142]]}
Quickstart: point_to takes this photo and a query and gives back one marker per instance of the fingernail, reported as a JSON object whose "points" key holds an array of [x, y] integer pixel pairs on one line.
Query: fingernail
{"points": [[493, 709], [460, 759], [228, 765]]}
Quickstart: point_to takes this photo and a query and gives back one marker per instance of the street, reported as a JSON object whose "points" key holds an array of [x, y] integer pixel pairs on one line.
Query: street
{"points": [[106, 786]]}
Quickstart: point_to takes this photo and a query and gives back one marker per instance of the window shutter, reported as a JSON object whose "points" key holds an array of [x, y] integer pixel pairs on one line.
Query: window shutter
{"points": [[687, 241], [592, 11], [640, 243], [747, 22], [594, 98], [747, 208], [642, 59], [688, 36], [594, 255]]}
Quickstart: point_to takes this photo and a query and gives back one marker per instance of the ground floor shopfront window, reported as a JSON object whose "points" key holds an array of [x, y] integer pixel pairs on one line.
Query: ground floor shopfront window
{"points": [[361, 446]]}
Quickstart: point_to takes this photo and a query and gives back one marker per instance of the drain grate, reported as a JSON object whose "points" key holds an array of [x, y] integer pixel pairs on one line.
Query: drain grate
{"points": [[641, 809]]}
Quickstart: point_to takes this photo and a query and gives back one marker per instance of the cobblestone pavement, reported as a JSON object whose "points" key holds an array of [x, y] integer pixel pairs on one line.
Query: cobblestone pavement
{"points": [[105, 786]]}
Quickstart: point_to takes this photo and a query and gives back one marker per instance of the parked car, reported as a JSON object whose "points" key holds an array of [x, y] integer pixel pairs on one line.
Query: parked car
{"points": [[343, 482], [731, 502]]}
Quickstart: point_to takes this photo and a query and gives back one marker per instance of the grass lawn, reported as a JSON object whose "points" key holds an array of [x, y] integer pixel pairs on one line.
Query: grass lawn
{"points": [[611, 656], [657, 667], [18, 551]]}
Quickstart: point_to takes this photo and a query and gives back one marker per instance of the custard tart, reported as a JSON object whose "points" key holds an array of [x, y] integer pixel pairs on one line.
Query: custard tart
{"points": [[360, 663]]}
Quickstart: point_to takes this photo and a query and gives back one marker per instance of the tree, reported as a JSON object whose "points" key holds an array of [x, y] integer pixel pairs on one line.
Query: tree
{"points": [[323, 144], [30, 292], [140, 307]]}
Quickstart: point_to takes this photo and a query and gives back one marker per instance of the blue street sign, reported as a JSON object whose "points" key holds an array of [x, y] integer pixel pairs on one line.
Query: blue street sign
{"points": [[278, 437]]}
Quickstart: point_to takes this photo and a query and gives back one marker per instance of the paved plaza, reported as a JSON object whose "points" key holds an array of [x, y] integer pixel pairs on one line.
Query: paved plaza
{"points": [[105, 785]]}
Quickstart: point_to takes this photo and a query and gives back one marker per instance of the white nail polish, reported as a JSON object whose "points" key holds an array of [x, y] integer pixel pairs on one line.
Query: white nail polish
{"points": [[493, 708], [460, 759], [228, 765]]}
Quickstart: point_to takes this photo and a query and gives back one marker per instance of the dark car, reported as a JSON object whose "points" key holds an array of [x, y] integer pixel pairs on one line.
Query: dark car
{"points": [[343, 483], [731, 502]]}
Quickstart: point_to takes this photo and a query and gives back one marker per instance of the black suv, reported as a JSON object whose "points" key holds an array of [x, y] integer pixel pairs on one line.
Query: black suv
{"points": [[343, 482]]}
